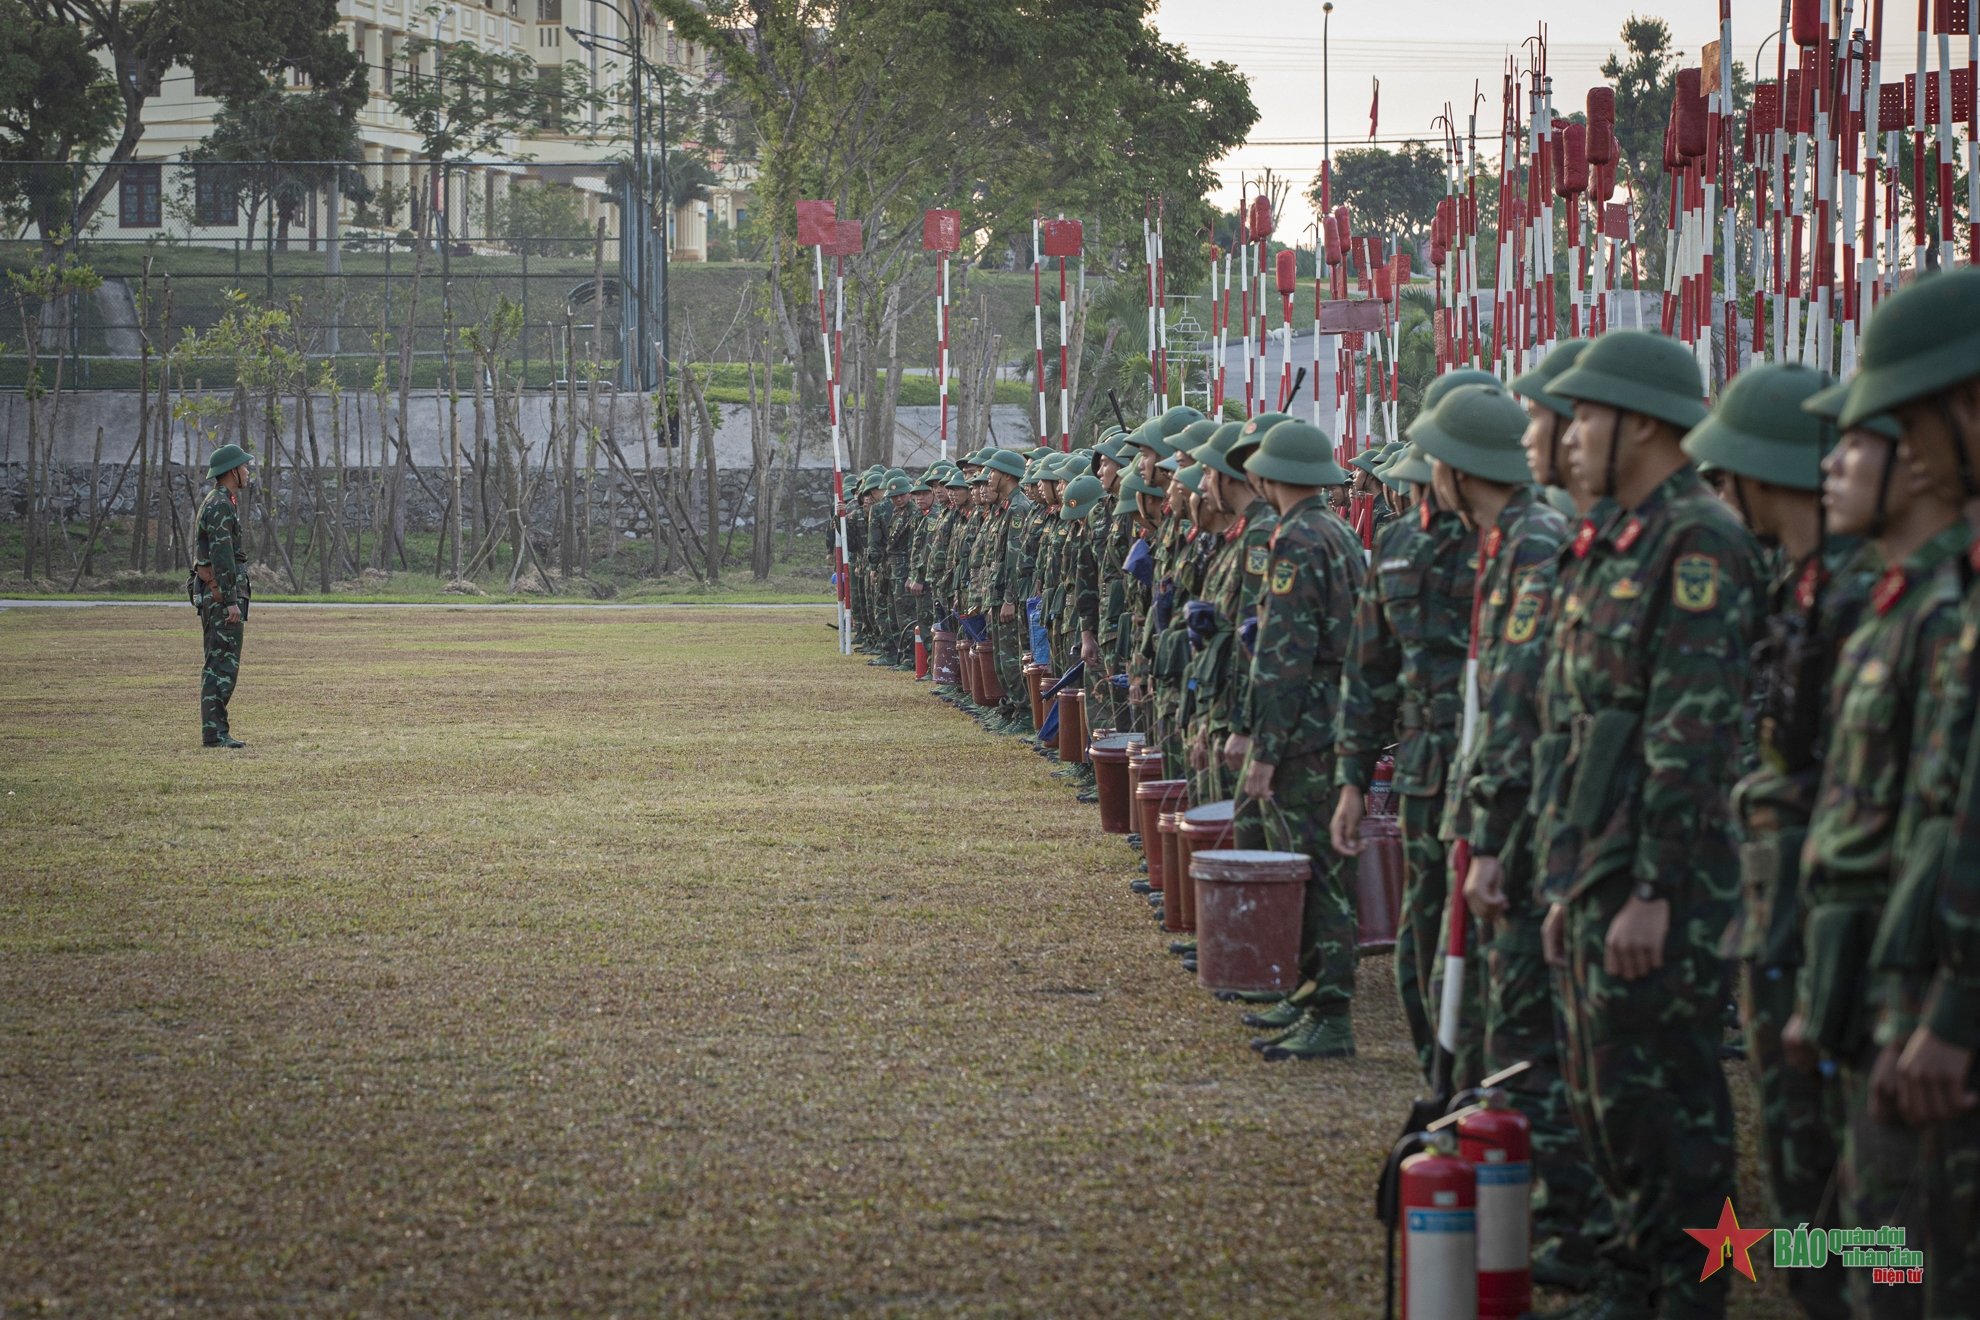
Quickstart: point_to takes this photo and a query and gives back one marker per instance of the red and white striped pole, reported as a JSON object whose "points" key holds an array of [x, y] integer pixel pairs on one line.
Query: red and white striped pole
{"points": [[1038, 326]]}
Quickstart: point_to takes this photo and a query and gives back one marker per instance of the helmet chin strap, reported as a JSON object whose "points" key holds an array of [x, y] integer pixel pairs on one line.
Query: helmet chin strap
{"points": [[1552, 476], [1967, 487], [1615, 447], [1739, 501]]}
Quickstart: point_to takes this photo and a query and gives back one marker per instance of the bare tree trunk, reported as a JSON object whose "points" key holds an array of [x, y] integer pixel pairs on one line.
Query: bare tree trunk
{"points": [[564, 447], [138, 523], [712, 548]]}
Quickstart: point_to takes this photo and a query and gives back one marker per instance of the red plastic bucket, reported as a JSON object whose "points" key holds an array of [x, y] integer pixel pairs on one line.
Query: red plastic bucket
{"points": [[1200, 829], [1155, 796], [1072, 727], [945, 656], [1036, 679], [1110, 758], [1247, 918], [993, 687]]}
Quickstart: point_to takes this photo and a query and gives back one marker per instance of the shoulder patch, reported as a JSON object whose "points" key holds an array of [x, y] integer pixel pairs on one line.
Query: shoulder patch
{"points": [[1695, 583], [1284, 574], [1256, 560], [1524, 620]]}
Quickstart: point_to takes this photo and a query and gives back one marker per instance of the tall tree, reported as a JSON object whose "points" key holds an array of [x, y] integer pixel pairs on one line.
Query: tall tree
{"points": [[1391, 193], [1644, 73], [235, 49], [57, 104], [277, 149]]}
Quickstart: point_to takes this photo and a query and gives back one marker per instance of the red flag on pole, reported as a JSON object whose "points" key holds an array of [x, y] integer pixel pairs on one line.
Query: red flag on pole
{"points": [[1374, 109]]}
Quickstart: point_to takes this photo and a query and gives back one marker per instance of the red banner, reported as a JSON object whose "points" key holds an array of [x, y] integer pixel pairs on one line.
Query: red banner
{"points": [[941, 231], [815, 221]]}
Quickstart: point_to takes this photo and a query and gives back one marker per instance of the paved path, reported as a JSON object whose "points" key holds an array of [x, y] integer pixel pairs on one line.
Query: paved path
{"points": [[29, 604]]}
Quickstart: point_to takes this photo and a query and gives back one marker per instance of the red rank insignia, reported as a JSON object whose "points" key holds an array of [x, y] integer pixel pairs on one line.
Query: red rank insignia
{"points": [[1423, 515], [1889, 590], [1584, 540], [1493, 540], [1236, 531], [1812, 578], [1627, 537]]}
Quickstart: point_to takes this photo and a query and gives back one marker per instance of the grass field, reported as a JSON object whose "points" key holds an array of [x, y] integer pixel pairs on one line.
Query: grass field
{"points": [[653, 963]]}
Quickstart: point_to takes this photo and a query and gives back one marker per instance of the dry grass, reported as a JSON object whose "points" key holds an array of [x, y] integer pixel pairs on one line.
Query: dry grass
{"points": [[571, 963]]}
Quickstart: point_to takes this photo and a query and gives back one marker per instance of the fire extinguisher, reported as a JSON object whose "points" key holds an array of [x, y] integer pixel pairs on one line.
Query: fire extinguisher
{"points": [[920, 655], [1440, 1232], [1497, 1141]]}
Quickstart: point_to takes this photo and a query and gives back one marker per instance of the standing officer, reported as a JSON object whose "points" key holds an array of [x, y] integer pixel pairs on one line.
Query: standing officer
{"points": [[1316, 571], [220, 562], [1641, 871], [1767, 440]]}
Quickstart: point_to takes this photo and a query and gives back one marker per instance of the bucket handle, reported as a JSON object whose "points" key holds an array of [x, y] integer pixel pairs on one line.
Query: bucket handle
{"points": [[1278, 817]]}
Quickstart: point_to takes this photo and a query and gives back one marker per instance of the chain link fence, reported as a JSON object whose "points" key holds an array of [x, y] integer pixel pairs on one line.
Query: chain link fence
{"points": [[354, 249]]}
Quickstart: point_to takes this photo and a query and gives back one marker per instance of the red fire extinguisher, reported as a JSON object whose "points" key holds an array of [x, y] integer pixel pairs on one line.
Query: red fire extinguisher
{"points": [[1440, 1233], [920, 655], [1497, 1141]]}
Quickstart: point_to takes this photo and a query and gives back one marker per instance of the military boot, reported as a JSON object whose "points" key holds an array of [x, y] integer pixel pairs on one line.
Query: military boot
{"points": [[1314, 1038], [224, 740], [1285, 1013]]}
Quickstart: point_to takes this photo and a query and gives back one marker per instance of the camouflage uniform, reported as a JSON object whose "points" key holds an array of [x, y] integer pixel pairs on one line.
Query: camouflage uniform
{"points": [[1883, 705], [219, 546], [1316, 571], [1403, 683], [1219, 673], [1654, 639], [1812, 607]]}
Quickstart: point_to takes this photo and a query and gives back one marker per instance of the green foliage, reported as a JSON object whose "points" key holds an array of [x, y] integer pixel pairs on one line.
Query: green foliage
{"points": [[57, 102], [271, 150], [1391, 193], [237, 50], [543, 220], [475, 100]]}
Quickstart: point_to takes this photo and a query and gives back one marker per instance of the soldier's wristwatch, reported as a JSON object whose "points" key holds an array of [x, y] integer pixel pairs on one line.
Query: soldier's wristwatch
{"points": [[1645, 892]]}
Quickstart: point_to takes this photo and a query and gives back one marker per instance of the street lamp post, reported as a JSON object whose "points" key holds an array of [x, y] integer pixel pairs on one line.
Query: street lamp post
{"points": [[638, 218]]}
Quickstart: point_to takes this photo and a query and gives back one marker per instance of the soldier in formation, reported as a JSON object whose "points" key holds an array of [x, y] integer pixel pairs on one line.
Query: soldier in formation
{"points": [[1658, 746]]}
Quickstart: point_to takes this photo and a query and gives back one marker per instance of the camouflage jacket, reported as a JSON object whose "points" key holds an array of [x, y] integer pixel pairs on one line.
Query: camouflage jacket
{"points": [[219, 545], [1317, 567], [1026, 546], [1220, 674], [1116, 587], [904, 527], [1488, 800], [1083, 544], [1404, 679], [962, 560], [1942, 861], [1655, 634], [1883, 706]]}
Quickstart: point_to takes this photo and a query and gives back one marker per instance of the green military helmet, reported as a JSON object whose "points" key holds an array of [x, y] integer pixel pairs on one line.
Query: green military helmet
{"points": [[1455, 379], [1132, 484], [1829, 403], [1251, 433], [973, 459], [1367, 459], [1124, 504], [920, 486], [1761, 429], [957, 482], [1082, 496], [1411, 467], [1298, 454], [1007, 461], [1215, 452], [1639, 372], [865, 483], [1109, 433], [901, 484], [1173, 463], [225, 459], [1149, 436], [982, 477], [1177, 420], [1191, 478], [1922, 339], [1475, 429], [1193, 435], [1537, 383], [1076, 464], [1116, 449]]}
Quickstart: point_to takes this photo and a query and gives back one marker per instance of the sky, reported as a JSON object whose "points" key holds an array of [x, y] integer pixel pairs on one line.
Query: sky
{"points": [[1426, 53]]}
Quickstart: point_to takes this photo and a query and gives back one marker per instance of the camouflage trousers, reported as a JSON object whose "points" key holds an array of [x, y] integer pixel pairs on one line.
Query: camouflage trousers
{"points": [[1296, 820], [1419, 934], [1010, 643], [1881, 1185], [1523, 1024], [1951, 1158], [1800, 1113], [1649, 1094], [222, 668]]}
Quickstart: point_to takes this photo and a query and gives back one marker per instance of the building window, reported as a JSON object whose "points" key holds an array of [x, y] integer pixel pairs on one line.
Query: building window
{"points": [[138, 202], [549, 11], [550, 99], [213, 202]]}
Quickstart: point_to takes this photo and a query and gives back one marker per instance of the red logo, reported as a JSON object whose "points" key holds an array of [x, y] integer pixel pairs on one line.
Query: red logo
{"points": [[1728, 1241]]}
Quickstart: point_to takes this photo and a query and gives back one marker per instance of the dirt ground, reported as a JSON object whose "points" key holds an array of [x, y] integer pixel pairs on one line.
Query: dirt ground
{"points": [[608, 963]]}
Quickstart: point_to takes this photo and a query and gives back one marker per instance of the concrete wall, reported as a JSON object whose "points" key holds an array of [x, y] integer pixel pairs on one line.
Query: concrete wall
{"points": [[116, 411]]}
